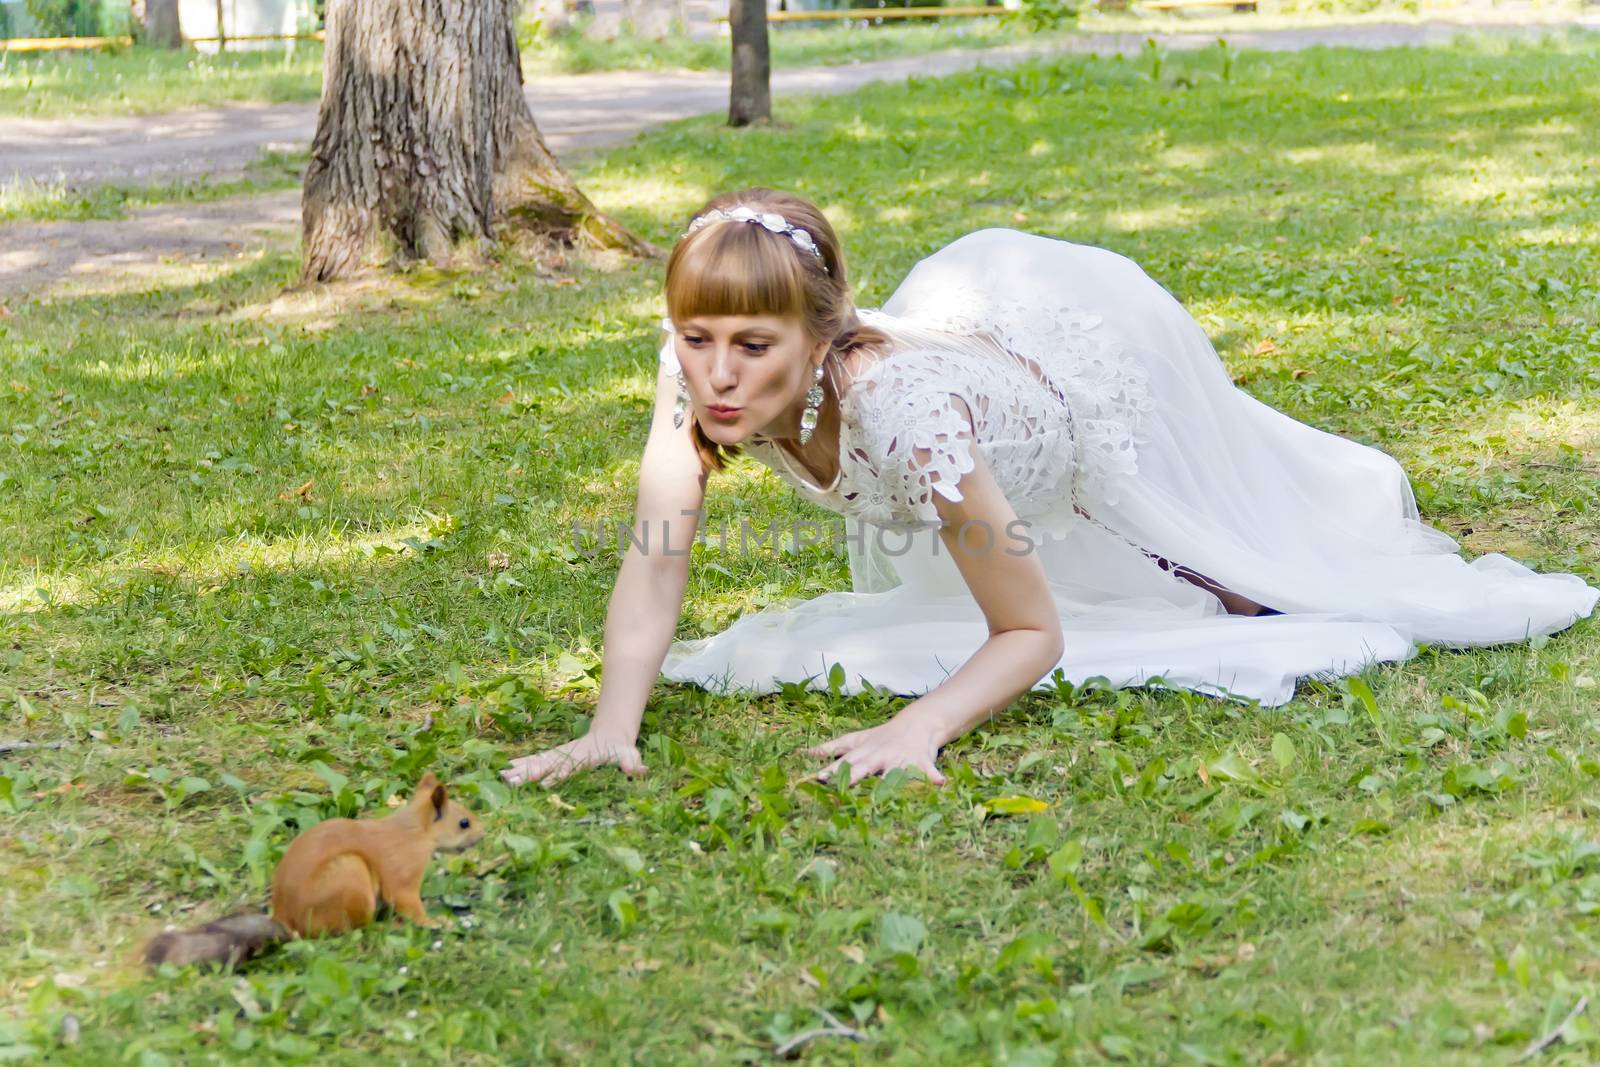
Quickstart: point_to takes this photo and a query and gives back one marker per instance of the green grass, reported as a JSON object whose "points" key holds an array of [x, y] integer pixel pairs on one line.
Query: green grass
{"points": [[124, 81], [64, 202], [143, 80], [798, 45], [1399, 870], [134, 81]]}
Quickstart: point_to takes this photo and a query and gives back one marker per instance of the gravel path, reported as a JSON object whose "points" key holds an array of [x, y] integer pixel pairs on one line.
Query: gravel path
{"points": [[575, 112]]}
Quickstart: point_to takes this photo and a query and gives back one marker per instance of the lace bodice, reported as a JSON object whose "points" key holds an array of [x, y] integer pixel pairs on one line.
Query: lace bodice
{"points": [[1056, 406]]}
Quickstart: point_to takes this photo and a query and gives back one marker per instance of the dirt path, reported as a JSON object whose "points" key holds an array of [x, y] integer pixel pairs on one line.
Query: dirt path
{"points": [[576, 113]]}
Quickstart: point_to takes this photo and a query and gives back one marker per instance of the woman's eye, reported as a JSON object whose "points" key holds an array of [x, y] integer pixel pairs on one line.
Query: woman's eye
{"points": [[693, 340], [756, 347]]}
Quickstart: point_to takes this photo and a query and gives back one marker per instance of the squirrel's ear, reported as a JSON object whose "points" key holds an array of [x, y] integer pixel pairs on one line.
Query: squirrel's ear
{"points": [[423, 795], [437, 801]]}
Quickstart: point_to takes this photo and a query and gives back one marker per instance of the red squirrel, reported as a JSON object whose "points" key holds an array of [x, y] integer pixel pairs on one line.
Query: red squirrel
{"points": [[332, 878]]}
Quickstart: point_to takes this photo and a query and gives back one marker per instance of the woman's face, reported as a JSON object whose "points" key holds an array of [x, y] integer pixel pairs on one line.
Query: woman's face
{"points": [[747, 374]]}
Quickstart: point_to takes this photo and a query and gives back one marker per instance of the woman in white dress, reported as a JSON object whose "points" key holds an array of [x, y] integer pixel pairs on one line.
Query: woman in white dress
{"points": [[1042, 465]]}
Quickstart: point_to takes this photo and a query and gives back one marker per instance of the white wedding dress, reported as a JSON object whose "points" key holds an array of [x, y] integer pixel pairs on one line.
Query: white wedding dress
{"points": [[1110, 424]]}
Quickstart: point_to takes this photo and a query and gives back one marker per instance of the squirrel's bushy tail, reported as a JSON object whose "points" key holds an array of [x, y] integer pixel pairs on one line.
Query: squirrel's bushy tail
{"points": [[229, 940]]}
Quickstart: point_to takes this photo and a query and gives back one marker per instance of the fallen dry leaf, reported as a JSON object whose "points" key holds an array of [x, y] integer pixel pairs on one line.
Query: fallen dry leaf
{"points": [[1266, 346], [303, 491], [506, 397], [1300, 372]]}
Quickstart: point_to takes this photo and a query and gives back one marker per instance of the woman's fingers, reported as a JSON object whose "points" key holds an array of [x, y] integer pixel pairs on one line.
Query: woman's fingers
{"points": [[836, 747], [524, 769], [629, 763], [539, 767], [564, 764], [865, 762], [861, 765], [556, 774], [827, 773], [558, 764]]}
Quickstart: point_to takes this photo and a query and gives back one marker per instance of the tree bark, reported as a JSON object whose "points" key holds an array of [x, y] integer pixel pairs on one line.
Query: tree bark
{"points": [[160, 24], [750, 96], [424, 139]]}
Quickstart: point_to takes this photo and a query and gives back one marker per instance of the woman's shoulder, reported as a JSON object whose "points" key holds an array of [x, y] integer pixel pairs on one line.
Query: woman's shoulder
{"points": [[893, 368], [905, 394]]}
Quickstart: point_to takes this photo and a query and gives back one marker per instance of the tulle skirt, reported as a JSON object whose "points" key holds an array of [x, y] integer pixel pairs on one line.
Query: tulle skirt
{"points": [[1319, 528]]}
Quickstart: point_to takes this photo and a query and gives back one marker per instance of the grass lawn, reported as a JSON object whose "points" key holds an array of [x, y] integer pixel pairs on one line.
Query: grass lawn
{"points": [[58, 201], [265, 564], [138, 80], [127, 81]]}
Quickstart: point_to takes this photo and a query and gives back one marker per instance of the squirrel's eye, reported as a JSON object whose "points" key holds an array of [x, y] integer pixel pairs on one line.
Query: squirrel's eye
{"points": [[465, 823]]}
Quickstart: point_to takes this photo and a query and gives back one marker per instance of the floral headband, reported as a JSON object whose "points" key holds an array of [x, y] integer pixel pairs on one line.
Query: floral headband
{"points": [[771, 220]]}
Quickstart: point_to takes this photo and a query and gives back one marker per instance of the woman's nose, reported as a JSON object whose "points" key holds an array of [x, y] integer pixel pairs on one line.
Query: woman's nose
{"points": [[722, 377]]}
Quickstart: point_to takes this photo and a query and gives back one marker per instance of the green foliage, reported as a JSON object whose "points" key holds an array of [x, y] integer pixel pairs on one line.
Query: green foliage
{"points": [[66, 18], [1396, 868], [1038, 16]]}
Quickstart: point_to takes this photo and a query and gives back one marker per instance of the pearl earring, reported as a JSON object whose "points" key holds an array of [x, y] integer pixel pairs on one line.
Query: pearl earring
{"points": [[808, 417], [682, 407]]}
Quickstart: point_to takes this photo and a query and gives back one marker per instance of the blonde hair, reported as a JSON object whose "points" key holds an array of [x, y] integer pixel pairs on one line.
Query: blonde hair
{"points": [[738, 268]]}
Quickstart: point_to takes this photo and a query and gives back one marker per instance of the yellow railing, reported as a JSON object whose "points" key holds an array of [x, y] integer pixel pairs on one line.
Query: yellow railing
{"points": [[53, 44], [859, 13]]}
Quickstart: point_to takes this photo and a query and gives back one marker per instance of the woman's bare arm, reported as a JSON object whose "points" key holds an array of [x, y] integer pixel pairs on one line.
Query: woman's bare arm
{"points": [[645, 602], [1024, 644]]}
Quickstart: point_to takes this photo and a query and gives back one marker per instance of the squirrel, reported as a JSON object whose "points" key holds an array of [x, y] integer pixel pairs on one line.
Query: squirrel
{"points": [[331, 879]]}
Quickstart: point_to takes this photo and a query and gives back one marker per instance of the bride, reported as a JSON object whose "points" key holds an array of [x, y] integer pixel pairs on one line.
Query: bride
{"points": [[1041, 465]]}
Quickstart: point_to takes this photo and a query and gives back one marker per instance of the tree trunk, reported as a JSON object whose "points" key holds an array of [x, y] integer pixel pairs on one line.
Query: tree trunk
{"points": [[424, 137], [160, 25], [750, 98]]}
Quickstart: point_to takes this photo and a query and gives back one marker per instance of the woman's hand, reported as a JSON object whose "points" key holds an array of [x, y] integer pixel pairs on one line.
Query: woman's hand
{"points": [[897, 743], [590, 750]]}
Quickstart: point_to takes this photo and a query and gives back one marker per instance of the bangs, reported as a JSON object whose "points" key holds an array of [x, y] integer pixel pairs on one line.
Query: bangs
{"points": [[735, 268]]}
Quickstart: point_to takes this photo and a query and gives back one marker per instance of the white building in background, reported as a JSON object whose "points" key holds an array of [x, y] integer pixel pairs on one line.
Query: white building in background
{"points": [[245, 18]]}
